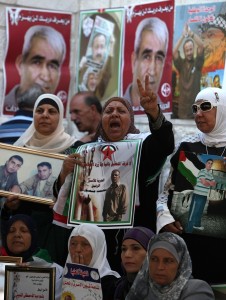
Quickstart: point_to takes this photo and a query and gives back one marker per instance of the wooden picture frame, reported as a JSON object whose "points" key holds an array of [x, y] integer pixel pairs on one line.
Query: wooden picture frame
{"points": [[28, 169], [25, 281], [11, 259]]}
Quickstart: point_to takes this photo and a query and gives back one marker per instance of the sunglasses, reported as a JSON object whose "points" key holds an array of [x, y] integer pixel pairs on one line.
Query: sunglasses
{"points": [[204, 107]]}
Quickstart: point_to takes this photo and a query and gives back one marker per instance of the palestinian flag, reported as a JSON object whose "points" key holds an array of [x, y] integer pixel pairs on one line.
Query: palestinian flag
{"points": [[187, 168]]}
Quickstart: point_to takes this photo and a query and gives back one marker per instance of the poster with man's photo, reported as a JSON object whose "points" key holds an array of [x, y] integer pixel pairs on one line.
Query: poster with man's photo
{"points": [[99, 52], [104, 189], [199, 197], [198, 52], [148, 51], [37, 55]]}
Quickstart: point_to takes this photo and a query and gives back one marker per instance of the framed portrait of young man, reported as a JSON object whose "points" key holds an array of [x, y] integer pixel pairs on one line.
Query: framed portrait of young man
{"points": [[28, 173]]}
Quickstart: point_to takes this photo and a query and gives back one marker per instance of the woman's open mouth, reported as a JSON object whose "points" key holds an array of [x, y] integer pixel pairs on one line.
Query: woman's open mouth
{"points": [[115, 124]]}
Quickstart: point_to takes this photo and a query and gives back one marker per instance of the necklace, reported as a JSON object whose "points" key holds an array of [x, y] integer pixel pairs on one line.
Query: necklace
{"points": [[221, 153]]}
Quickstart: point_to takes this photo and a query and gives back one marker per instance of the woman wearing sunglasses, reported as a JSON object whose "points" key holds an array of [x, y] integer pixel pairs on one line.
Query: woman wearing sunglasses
{"points": [[207, 252]]}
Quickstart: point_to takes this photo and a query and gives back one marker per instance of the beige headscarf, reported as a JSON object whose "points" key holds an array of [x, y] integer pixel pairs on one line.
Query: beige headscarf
{"points": [[57, 142]]}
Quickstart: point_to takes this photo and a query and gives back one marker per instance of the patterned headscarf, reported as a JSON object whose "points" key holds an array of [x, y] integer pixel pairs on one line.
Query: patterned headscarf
{"points": [[217, 137], [219, 22], [145, 288], [132, 129], [28, 221]]}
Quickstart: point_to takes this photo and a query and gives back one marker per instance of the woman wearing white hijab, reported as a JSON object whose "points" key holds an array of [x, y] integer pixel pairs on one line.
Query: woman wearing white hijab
{"points": [[167, 273], [87, 246], [207, 253], [46, 133], [55, 140]]}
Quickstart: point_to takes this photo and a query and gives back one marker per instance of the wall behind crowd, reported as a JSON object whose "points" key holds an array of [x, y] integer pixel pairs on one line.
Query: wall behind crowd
{"points": [[182, 127]]}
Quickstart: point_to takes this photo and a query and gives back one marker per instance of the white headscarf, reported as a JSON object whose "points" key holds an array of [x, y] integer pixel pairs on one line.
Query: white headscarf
{"points": [[217, 137], [95, 236], [57, 142]]}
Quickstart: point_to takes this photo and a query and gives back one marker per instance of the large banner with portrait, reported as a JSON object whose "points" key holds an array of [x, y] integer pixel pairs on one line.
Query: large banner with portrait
{"points": [[99, 55], [199, 198], [148, 51], [38, 52], [104, 190], [199, 52]]}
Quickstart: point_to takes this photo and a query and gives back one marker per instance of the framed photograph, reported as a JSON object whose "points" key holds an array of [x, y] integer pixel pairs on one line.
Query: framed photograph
{"points": [[29, 282], [29, 174], [6, 261]]}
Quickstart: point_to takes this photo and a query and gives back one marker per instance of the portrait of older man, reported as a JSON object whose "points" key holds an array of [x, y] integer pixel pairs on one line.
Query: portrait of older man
{"points": [[40, 62], [148, 57]]}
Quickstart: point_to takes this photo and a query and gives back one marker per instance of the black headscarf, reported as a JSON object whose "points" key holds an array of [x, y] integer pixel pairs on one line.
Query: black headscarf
{"points": [[132, 128], [28, 221]]}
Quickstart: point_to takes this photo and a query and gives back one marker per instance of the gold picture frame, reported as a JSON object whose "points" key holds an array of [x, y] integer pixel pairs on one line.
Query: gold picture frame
{"points": [[11, 259], [6, 261], [31, 158], [33, 281]]}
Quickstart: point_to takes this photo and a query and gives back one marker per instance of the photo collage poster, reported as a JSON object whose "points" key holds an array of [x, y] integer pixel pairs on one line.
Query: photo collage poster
{"points": [[99, 52], [199, 197], [208, 22], [104, 190]]}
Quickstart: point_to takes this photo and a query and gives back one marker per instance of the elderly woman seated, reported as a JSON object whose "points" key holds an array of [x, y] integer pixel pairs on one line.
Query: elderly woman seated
{"points": [[87, 246]]}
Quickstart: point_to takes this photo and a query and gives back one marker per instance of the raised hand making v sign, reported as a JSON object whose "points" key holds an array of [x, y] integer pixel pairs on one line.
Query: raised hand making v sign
{"points": [[148, 99]]}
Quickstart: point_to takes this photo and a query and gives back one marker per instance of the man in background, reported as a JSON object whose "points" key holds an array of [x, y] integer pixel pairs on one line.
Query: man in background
{"points": [[42, 56], [85, 111], [190, 70], [11, 130], [148, 57]]}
